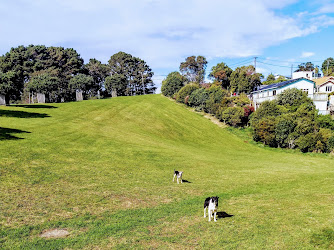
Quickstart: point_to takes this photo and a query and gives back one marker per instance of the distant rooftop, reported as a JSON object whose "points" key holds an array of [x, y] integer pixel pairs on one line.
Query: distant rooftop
{"points": [[279, 84]]}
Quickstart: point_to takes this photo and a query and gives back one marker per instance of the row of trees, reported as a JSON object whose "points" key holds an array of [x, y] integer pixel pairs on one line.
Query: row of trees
{"points": [[59, 72]]}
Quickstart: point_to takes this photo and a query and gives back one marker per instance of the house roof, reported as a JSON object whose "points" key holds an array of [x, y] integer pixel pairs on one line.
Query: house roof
{"points": [[280, 84], [323, 80]]}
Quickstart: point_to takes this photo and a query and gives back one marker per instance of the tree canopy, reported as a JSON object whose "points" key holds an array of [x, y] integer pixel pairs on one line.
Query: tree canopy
{"points": [[244, 79], [327, 67], [194, 68], [221, 74]]}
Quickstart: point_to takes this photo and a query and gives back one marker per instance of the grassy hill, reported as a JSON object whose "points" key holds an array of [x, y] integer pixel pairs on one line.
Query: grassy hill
{"points": [[103, 169]]}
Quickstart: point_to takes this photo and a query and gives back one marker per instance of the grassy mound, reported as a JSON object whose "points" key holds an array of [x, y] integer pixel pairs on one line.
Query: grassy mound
{"points": [[102, 170]]}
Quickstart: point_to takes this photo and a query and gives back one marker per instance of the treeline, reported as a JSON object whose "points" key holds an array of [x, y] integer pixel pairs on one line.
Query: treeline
{"points": [[58, 73], [225, 98], [290, 121]]}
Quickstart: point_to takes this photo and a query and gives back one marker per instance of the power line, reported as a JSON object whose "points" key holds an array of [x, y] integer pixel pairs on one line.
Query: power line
{"points": [[267, 59]]}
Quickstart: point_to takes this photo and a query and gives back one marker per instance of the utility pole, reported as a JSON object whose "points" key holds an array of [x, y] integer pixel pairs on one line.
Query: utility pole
{"points": [[255, 63]]}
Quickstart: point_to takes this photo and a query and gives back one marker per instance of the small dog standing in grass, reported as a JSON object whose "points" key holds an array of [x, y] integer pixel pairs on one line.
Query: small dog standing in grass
{"points": [[211, 203], [178, 175]]}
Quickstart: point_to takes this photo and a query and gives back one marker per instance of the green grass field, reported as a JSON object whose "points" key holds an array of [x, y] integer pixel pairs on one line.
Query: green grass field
{"points": [[103, 169]]}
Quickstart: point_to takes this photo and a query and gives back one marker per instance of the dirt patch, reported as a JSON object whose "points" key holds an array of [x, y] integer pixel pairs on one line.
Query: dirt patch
{"points": [[55, 233]]}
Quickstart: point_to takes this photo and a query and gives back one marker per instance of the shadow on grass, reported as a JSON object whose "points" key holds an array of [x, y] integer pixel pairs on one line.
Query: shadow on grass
{"points": [[21, 114], [186, 181], [224, 215], [34, 106], [6, 134]]}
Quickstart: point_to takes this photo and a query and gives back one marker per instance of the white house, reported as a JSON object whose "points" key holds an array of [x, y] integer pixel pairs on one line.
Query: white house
{"points": [[325, 84], [269, 93], [306, 74]]}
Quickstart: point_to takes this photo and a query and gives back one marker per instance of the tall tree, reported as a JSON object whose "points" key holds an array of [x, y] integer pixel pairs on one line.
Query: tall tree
{"points": [[194, 68], [327, 67], [244, 79], [98, 71], [9, 85], [221, 73], [135, 71], [305, 67]]}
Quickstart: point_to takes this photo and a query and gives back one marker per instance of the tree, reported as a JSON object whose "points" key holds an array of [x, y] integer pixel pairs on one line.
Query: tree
{"points": [[116, 82], [244, 79], [198, 98], [186, 92], [172, 84], [221, 74], [137, 74], [98, 71], [8, 84], [293, 98], [84, 83], [305, 67], [327, 67], [194, 68]]}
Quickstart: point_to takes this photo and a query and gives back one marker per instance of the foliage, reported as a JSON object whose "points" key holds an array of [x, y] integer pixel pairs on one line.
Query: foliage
{"points": [[135, 71], [296, 123], [194, 68], [8, 84], [116, 82], [271, 79], [216, 95], [305, 67], [172, 84], [244, 79], [264, 131], [221, 74], [198, 98], [82, 82], [327, 67], [233, 116], [43, 83], [98, 71], [186, 91]]}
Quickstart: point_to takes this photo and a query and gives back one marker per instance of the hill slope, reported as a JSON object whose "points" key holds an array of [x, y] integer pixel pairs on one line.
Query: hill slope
{"points": [[103, 169]]}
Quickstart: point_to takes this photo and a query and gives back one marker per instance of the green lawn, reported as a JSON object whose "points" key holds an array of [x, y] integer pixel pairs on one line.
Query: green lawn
{"points": [[103, 169]]}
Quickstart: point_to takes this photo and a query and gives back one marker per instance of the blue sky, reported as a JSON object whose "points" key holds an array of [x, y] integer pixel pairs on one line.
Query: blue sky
{"points": [[164, 32]]}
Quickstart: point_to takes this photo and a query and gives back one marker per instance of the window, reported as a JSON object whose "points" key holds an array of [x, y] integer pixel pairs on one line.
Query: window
{"points": [[328, 88], [305, 90], [274, 92]]}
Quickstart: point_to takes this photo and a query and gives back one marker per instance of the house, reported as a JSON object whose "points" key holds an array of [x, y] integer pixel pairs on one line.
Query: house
{"points": [[324, 84], [269, 93], [306, 74]]}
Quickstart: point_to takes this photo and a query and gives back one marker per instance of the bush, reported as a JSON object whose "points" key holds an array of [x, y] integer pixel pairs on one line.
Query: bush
{"points": [[284, 127], [185, 91], [172, 84], [198, 98], [307, 143], [232, 116], [264, 131]]}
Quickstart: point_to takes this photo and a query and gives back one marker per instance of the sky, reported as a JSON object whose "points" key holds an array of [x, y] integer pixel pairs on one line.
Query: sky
{"points": [[280, 33]]}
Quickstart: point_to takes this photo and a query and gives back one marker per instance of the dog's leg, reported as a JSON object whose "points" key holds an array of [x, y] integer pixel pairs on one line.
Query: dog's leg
{"points": [[214, 218], [181, 179], [210, 214], [204, 212], [177, 180], [173, 177]]}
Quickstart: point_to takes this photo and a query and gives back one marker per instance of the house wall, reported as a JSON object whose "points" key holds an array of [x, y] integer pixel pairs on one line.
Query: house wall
{"points": [[306, 74], [323, 88], [269, 95]]}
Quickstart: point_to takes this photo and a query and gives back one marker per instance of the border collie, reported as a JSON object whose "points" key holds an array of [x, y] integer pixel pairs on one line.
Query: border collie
{"points": [[211, 203], [178, 175]]}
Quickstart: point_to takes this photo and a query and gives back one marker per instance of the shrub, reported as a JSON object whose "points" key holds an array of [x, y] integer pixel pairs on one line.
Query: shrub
{"points": [[264, 131], [198, 98], [284, 127], [172, 84], [185, 91], [233, 116]]}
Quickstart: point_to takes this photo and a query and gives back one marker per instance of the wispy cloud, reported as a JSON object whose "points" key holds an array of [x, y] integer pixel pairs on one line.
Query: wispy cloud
{"points": [[307, 54]]}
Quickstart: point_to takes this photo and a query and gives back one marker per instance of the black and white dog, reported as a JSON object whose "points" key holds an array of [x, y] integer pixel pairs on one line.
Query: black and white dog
{"points": [[211, 203], [178, 175]]}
